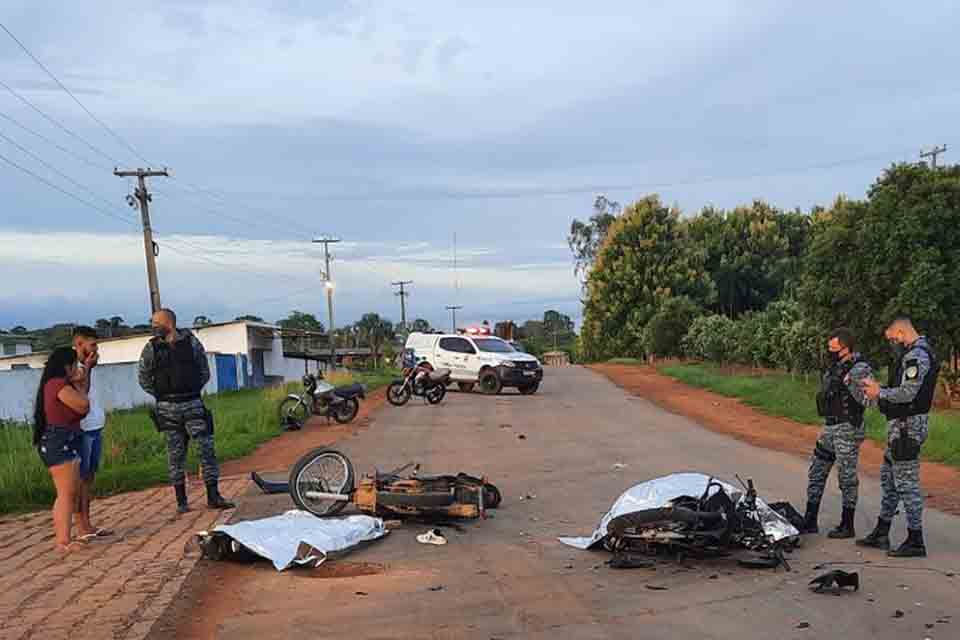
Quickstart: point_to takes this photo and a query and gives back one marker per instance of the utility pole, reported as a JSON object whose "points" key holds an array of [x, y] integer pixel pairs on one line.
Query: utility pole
{"points": [[403, 305], [326, 242], [933, 153], [149, 246], [453, 310]]}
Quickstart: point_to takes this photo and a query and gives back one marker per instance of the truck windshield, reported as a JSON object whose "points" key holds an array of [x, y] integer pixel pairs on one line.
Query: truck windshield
{"points": [[491, 345]]}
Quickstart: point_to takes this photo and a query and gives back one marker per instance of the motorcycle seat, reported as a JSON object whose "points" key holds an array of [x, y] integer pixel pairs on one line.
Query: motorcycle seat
{"points": [[349, 391], [439, 375]]}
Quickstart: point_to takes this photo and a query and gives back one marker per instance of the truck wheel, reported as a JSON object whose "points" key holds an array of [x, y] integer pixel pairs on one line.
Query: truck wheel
{"points": [[490, 382], [529, 389], [465, 387]]}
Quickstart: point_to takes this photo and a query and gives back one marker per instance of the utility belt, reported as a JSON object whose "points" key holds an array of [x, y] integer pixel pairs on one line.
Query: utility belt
{"points": [[179, 397], [833, 420]]}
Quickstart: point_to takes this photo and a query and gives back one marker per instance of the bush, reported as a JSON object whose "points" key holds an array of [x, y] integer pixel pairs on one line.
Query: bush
{"points": [[663, 336], [711, 338]]}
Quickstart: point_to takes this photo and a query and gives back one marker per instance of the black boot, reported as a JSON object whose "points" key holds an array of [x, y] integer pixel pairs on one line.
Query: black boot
{"points": [[810, 518], [845, 529], [879, 538], [912, 547], [181, 491], [215, 500]]}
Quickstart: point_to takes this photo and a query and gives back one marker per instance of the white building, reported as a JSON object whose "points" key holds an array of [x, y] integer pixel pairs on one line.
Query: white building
{"points": [[258, 345], [12, 344]]}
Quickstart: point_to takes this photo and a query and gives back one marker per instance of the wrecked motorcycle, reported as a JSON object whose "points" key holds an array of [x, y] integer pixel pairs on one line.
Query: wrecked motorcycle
{"points": [[323, 399], [420, 380], [322, 482], [693, 514]]}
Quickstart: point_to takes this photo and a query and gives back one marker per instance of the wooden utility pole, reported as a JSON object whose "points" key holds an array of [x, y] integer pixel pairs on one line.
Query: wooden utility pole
{"points": [[933, 153], [403, 304], [326, 242], [453, 310], [149, 246]]}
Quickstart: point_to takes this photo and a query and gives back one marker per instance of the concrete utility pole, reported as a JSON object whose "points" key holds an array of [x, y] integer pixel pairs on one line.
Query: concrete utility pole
{"points": [[403, 304], [453, 310], [326, 242], [149, 246], [933, 153]]}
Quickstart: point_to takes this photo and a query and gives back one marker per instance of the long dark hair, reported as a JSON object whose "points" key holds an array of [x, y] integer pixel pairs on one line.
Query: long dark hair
{"points": [[56, 367]]}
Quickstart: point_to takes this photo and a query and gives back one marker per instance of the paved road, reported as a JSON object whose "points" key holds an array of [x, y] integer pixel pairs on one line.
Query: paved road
{"points": [[509, 578]]}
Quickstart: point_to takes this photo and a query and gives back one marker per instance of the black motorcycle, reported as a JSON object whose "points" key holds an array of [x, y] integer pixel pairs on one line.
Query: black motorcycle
{"points": [[321, 399], [420, 380]]}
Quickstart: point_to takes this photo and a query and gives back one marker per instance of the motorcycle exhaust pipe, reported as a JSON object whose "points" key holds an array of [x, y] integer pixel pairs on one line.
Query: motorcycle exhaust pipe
{"points": [[322, 495]]}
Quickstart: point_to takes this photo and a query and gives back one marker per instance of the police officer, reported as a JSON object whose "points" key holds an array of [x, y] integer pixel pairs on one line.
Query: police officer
{"points": [[841, 402], [906, 403], [174, 369]]}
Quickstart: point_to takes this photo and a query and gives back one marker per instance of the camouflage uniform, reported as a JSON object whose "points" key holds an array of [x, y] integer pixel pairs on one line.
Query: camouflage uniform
{"points": [[900, 478], [840, 443], [184, 417]]}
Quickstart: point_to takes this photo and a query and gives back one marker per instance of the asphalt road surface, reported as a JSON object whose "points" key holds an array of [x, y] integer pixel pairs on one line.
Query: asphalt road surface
{"points": [[509, 577]]}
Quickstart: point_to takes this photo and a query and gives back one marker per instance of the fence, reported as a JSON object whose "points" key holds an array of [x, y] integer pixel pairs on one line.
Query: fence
{"points": [[116, 385]]}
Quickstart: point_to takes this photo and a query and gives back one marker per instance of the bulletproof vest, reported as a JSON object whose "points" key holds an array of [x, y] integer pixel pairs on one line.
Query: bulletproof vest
{"points": [[175, 371], [923, 401], [841, 404]]}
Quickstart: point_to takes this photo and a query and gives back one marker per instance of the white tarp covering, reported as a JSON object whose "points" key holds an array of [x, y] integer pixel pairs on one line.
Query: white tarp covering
{"points": [[299, 537], [659, 492]]}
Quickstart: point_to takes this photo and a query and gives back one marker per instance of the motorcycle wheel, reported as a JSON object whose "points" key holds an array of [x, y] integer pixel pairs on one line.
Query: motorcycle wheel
{"points": [[293, 414], [346, 411], [325, 470], [398, 394], [491, 495], [435, 394]]}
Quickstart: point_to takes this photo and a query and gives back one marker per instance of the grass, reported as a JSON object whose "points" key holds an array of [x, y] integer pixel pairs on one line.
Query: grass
{"points": [[779, 394], [135, 454]]}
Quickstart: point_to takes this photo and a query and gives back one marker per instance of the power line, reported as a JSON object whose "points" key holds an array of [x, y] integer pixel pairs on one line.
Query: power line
{"points": [[54, 169], [55, 144], [57, 123], [106, 128], [65, 192]]}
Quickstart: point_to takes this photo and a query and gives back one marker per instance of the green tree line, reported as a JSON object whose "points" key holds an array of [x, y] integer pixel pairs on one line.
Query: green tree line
{"points": [[763, 286]]}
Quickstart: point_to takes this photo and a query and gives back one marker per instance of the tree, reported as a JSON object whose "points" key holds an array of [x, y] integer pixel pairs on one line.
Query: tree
{"points": [[300, 329], [895, 252], [751, 253], [202, 321], [646, 259], [249, 318], [375, 331], [585, 238], [421, 326]]}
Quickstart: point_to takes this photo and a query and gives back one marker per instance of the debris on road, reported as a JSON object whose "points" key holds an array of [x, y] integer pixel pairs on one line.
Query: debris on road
{"points": [[630, 561], [438, 587], [618, 466], [836, 581], [360, 593], [654, 587], [433, 536], [898, 614], [521, 437], [289, 539], [803, 625], [528, 496]]}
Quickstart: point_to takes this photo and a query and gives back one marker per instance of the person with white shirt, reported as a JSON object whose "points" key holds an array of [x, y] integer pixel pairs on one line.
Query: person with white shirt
{"points": [[91, 439]]}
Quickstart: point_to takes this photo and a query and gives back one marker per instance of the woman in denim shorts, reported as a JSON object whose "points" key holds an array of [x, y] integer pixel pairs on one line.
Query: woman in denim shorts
{"points": [[59, 408]]}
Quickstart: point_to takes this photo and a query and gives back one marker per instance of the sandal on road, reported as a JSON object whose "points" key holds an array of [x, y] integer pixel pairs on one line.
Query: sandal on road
{"points": [[431, 537], [99, 533]]}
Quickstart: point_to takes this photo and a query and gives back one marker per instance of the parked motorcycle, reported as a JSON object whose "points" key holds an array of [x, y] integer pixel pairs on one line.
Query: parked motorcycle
{"points": [[322, 399], [322, 482], [419, 380]]}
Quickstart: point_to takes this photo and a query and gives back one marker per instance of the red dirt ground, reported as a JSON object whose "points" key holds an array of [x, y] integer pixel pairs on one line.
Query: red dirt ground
{"points": [[731, 417]]}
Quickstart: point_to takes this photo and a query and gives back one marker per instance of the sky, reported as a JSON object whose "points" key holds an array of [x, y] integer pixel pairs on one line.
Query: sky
{"points": [[398, 126]]}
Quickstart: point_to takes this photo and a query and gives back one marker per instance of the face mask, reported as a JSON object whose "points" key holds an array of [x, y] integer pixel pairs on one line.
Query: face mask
{"points": [[160, 332]]}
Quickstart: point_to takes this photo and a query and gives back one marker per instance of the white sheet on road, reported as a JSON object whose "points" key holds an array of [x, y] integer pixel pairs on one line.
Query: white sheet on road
{"points": [[659, 492], [299, 537]]}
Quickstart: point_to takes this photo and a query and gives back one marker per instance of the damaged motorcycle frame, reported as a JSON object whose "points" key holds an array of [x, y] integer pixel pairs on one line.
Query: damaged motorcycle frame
{"points": [[322, 483], [709, 525]]}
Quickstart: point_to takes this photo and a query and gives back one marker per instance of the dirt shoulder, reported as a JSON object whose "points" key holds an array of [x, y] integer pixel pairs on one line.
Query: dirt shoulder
{"points": [[731, 417]]}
